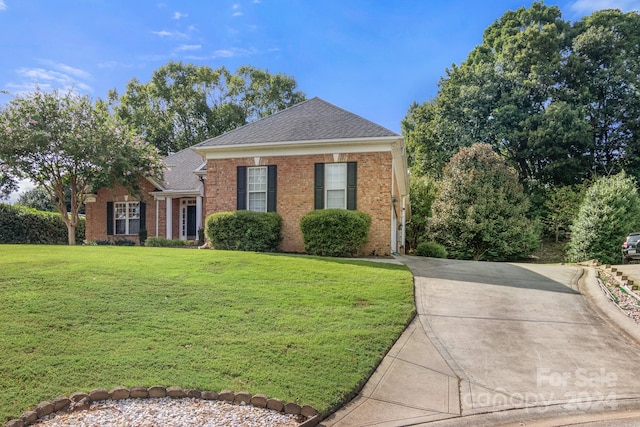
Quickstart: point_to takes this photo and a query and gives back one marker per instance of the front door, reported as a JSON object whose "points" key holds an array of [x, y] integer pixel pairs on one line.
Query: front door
{"points": [[191, 223], [188, 229]]}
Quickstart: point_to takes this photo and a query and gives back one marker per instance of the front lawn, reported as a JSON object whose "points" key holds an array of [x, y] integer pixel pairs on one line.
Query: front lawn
{"points": [[292, 327]]}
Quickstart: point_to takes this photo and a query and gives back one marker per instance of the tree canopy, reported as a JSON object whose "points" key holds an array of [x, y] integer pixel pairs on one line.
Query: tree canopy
{"points": [[184, 104], [558, 100], [67, 143]]}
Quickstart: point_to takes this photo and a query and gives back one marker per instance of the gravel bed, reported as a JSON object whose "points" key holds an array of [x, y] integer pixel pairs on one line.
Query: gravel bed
{"points": [[168, 412], [626, 302]]}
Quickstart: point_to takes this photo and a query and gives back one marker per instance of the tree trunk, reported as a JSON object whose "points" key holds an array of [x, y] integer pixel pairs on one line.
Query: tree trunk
{"points": [[71, 229]]}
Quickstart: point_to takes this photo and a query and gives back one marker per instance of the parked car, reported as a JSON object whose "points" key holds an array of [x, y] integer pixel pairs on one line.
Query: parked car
{"points": [[630, 249]]}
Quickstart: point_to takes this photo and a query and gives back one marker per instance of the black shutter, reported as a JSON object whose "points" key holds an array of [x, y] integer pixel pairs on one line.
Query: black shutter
{"points": [[143, 216], [241, 203], [272, 184], [352, 185], [109, 218], [318, 193]]}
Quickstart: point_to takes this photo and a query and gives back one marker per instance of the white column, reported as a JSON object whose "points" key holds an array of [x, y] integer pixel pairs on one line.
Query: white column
{"points": [[198, 215], [169, 216], [157, 217]]}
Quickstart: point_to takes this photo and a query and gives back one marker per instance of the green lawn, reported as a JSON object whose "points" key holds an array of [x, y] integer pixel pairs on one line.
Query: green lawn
{"points": [[292, 327]]}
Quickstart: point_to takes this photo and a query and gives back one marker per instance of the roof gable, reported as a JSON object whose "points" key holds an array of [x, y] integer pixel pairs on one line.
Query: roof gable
{"points": [[311, 120], [179, 171]]}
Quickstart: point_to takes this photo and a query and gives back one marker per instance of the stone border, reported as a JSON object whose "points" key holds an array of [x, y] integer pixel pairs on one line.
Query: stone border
{"points": [[80, 400]]}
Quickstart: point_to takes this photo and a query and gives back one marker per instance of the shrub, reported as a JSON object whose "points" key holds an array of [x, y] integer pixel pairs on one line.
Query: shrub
{"points": [[610, 210], [335, 232], [19, 224], [481, 211], [244, 231], [160, 242], [100, 242], [431, 249], [124, 242]]}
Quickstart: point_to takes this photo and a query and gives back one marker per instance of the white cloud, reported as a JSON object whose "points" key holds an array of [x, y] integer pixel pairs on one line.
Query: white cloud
{"points": [[237, 14], [3, 5], [589, 6], [179, 15], [67, 69], [188, 47], [163, 33], [233, 52], [47, 79], [236, 8], [170, 34]]}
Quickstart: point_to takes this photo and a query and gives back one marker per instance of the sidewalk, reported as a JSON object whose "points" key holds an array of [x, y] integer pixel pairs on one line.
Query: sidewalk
{"points": [[413, 384]]}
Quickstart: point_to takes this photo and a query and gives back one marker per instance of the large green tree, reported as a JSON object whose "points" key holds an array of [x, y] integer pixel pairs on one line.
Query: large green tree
{"points": [[610, 210], [481, 209], [67, 143], [184, 104], [558, 101]]}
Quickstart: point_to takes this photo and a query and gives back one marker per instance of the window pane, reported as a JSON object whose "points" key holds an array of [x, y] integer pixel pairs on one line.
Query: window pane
{"points": [[134, 210], [336, 199], [258, 179], [134, 226], [120, 210], [121, 225], [258, 202], [336, 176]]}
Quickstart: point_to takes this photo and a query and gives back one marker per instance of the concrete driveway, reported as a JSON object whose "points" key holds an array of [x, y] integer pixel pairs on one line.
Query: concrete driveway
{"points": [[501, 344]]}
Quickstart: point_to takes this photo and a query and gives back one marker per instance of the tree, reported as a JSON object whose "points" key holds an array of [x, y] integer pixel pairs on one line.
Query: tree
{"points": [[423, 192], [67, 143], [38, 198], [481, 209], [610, 210], [185, 104], [558, 102], [561, 208]]}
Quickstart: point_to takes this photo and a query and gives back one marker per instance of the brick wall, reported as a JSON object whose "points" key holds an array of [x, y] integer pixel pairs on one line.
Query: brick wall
{"points": [[96, 212], [295, 192]]}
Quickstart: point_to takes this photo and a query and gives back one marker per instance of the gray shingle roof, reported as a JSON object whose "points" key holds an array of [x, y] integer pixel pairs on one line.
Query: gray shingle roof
{"points": [[311, 120], [178, 175]]}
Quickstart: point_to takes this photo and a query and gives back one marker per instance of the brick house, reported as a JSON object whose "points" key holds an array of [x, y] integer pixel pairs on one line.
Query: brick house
{"points": [[313, 155]]}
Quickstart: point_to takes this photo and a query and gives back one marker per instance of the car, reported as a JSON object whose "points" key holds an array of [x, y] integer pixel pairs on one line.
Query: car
{"points": [[630, 249]]}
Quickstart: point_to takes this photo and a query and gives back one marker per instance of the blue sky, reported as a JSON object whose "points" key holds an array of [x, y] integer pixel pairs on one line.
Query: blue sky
{"points": [[373, 57]]}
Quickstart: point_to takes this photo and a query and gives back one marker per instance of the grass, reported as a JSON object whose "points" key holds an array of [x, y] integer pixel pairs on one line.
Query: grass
{"points": [[297, 328]]}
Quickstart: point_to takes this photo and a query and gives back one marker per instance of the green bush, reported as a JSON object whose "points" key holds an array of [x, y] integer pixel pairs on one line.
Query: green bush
{"points": [[124, 242], [160, 242], [19, 224], [609, 211], [431, 249], [335, 232], [244, 231]]}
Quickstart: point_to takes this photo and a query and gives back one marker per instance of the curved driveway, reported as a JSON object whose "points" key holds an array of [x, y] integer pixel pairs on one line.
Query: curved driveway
{"points": [[499, 343]]}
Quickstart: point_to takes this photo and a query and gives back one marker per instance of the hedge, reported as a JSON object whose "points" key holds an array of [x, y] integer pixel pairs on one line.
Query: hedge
{"points": [[244, 231], [19, 224], [160, 242], [335, 232]]}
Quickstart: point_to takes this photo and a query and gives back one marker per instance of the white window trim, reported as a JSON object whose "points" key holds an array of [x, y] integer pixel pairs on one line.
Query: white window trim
{"points": [[127, 218]]}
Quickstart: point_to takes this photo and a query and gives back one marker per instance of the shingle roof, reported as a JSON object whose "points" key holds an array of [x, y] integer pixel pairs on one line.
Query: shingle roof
{"points": [[311, 120], [178, 174]]}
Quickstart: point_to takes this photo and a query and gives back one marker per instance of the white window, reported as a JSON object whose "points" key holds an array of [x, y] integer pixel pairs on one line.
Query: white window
{"points": [[336, 185], [127, 217], [257, 189]]}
